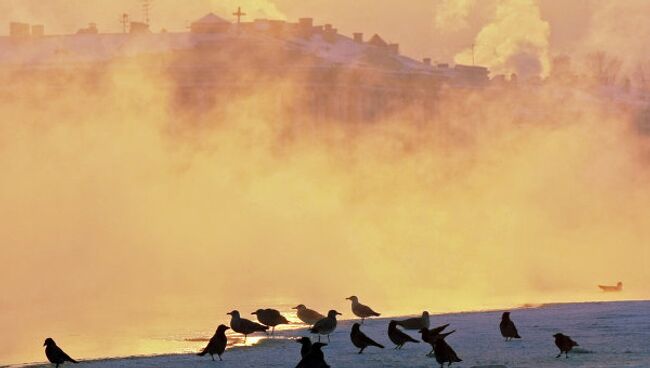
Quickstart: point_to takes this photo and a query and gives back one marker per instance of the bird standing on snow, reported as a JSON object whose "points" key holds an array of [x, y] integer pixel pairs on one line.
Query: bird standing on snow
{"points": [[398, 337], [244, 326], [315, 358], [309, 316], [54, 353], [271, 318], [564, 343], [305, 343], [217, 344], [326, 325], [360, 340], [361, 310], [429, 336], [443, 352], [415, 323], [507, 327]]}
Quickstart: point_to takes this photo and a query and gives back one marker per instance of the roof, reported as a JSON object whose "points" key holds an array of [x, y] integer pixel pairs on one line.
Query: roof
{"points": [[377, 41], [211, 19]]}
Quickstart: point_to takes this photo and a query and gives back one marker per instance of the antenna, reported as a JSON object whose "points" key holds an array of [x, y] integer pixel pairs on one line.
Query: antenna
{"points": [[146, 9], [125, 22]]}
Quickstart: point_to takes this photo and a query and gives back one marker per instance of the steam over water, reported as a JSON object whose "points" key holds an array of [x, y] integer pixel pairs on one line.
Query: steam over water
{"points": [[125, 211]]}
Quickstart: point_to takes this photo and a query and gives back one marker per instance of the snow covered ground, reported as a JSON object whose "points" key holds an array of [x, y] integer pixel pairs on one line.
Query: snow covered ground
{"points": [[613, 334]]}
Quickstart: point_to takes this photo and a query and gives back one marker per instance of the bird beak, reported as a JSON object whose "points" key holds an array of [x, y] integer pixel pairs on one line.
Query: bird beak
{"points": [[347, 299], [254, 313], [296, 307], [229, 313], [339, 314], [227, 328], [44, 344]]}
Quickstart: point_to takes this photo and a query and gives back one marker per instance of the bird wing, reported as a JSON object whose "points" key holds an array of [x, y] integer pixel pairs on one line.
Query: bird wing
{"points": [[407, 337], [312, 314], [368, 340], [439, 329], [66, 357], [320, 325], [252, 326], [366, 310]]}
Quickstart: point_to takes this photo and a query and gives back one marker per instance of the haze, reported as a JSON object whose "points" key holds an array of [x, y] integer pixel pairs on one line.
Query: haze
{"points": [[120, 212]]}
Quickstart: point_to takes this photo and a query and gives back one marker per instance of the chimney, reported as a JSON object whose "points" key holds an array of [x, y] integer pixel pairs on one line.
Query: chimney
{"points": [[306, 27], [426, 61], [19, 29], [358, 37], [393, 48], [38, 30]]}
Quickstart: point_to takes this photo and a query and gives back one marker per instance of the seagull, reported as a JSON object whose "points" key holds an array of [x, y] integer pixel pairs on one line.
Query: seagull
{"points": [[326, 325], [54, 353], [415, 323], [507, 327], [398, 337], [244, 326], [309, 316], [443, 352], [361, 310], [564, 343], [306, 346], [217, 344], [360, 340], [315, 358], [270, 317]]}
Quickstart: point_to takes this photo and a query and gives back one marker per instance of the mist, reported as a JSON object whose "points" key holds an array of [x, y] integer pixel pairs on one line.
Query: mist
{"points": [[127, 212]]}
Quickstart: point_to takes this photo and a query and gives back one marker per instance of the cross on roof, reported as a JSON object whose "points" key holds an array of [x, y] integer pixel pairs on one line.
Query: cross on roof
{"points": [[238, 14]]}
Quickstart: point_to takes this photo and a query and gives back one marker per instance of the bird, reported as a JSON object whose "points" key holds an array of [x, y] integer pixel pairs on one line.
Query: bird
{"points": [[315, 358], [415, 323], [306, 346], [308, 316], [271, 318], [361, 310], [429, 336], [244, 326], [443, 352], [564, 343], [217, 344], [507, 327], [325, 326], [54, 353], [398, 337], [360, 340]]}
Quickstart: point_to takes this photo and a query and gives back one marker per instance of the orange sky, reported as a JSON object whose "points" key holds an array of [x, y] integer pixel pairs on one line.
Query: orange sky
{"points": [[111, 219]]}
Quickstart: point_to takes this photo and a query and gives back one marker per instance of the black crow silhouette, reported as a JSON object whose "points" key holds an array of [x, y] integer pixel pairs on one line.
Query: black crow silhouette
{"points": [[54, 353], [315, 358], [398, 337], [507, 327], [564, 343], [306, 346], [443, 352], [217, 344], [360, 340]]}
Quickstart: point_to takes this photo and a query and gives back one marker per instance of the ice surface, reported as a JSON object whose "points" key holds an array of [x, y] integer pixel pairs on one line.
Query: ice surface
{"points": [[614, 334]]}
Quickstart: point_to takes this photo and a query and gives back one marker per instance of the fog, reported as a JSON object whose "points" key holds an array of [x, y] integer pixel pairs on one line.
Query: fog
{"points": [[123, 211]]}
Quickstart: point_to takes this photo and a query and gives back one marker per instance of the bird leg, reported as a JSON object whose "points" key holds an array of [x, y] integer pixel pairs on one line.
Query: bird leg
{"points": [[318, 338], [212, 355], [362, 319], [220, 358], [559, 355], [328, 337], [567, 354]]}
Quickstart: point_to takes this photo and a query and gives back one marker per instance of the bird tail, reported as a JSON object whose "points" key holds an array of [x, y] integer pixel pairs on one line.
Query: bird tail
{"points": [[73, 361], [413, 340], [517, 336], [205, 351], [377, 314], [378, 345]]}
